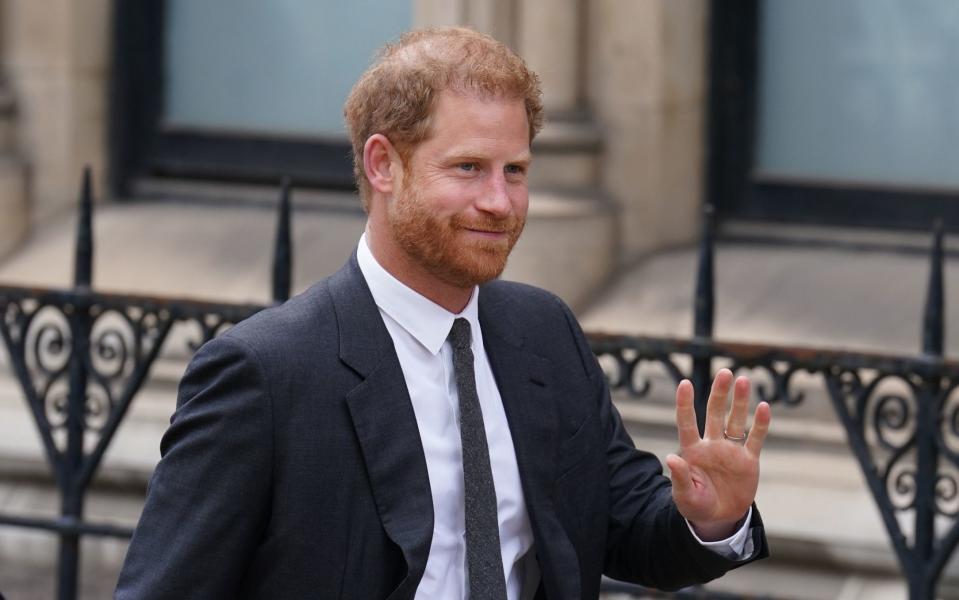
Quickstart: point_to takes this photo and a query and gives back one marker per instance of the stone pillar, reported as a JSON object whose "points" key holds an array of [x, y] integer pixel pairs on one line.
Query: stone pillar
{"points": [[434, 13], [14, 215], [55, 54], [549, 39], [647, 86], [495, 17]]}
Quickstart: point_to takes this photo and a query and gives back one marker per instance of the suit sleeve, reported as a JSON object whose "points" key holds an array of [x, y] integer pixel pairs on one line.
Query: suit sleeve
{"points": [[208, 500], [647, 539]]}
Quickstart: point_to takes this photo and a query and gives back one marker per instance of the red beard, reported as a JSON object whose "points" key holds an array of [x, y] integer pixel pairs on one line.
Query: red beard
{"points": [[445, 248]]}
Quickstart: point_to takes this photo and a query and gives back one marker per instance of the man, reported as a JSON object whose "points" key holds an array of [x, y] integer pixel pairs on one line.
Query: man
{"points": [[412, 428]]}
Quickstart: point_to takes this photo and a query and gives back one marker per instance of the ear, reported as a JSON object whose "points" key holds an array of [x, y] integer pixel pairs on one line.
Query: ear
{"points": [[380, 161]]}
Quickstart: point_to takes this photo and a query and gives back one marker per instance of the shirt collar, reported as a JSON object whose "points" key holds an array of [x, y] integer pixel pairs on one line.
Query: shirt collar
{"points": [[428, 322]]}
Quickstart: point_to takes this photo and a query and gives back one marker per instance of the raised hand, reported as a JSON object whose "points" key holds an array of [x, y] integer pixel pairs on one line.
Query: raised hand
{"points": [[715, 477]]}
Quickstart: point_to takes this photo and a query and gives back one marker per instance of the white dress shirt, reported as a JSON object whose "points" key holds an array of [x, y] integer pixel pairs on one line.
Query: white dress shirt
{"points": [[419, 328]]}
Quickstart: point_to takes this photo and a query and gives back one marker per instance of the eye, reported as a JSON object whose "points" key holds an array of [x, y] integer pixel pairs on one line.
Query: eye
{"points": [[467, 166], [515, 169]]}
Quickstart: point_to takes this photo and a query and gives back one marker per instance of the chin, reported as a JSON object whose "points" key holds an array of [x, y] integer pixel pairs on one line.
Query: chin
{"points": [[479, 273]]}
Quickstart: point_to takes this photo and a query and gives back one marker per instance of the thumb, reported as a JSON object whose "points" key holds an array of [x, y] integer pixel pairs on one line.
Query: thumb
{"points": [[679, 473]]}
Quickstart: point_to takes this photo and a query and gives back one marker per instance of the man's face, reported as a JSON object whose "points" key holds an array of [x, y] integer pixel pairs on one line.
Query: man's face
{"points": [[462, 201]]}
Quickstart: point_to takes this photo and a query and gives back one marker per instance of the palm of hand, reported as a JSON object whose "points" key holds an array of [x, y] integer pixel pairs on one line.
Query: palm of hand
{"points": [[715, 477]]}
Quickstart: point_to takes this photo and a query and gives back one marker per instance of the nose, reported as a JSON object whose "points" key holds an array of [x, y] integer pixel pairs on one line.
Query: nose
{"points": [[495, 199]]}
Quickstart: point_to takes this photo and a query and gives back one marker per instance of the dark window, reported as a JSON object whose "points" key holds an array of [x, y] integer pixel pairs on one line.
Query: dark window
{"points": [[835, 111], [240, 90]]}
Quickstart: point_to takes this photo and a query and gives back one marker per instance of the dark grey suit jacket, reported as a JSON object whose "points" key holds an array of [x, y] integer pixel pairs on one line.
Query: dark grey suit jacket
{"points": [[293, 466]]}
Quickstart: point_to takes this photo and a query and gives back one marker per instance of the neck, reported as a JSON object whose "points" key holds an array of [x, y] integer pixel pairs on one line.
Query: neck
{"points": [[399, 264]]}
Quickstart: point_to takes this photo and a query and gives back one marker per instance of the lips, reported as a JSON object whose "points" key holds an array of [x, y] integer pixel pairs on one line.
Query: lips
{"points": [[494, 232], [498, 234], [489, 228], [497, 238]]}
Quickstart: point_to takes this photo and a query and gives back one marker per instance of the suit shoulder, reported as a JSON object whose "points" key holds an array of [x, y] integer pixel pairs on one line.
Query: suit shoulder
{"points": [[521, 295], [543, 319], [529, 303], [308, 315]]}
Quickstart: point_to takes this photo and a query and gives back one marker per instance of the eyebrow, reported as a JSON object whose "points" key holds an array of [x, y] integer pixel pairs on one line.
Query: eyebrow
{"points": [[525, 157]]}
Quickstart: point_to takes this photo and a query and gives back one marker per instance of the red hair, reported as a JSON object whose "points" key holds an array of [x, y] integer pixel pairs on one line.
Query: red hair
{"points": [[396, 95]]}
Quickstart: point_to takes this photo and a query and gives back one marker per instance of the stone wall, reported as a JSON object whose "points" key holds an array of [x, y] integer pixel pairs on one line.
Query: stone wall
{"points": [[646, 81], [624, 89], [55, 57]]}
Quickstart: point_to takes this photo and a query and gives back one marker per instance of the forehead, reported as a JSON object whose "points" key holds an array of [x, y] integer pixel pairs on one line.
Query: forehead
{"points": [[470, 120]]}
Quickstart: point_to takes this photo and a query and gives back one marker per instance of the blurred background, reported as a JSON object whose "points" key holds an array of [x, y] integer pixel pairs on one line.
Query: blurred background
{"points": [[823, 133]]}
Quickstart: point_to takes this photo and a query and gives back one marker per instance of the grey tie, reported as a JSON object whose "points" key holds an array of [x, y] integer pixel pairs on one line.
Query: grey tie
{"points": [[483, 555]]}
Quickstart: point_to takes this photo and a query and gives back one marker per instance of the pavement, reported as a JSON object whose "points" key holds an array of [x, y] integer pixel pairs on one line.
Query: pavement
{"points": [[856, 290]]}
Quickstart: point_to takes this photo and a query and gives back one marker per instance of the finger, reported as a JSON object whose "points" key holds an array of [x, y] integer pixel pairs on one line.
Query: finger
{"points": [[736, 425], [679, 474], [686, 415], [716, 405], [757, 435]]}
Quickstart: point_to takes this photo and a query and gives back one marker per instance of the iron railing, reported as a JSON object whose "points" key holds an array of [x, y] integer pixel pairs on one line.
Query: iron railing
{"points": [[81, 356], [900, 412]]}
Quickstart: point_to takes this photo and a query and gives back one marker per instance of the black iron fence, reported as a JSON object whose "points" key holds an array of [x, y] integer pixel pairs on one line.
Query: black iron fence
{"points": [[900, 412], [81, 356]]}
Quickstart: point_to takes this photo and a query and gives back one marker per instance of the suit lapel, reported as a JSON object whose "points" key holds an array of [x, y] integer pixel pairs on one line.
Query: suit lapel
{"points": [[525, 384], [385, 424]]}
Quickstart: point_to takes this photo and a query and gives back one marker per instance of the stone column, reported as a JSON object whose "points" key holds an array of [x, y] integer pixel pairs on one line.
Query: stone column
{"points": [[647, 86], [55, 54], [549, 39], [14, 214], [433, 13], [495, 17]]}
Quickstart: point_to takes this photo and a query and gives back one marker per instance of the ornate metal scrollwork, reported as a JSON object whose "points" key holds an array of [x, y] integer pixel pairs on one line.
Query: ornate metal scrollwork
{"points": [[900, 482], [46, 343], [947, 494], [624, 371], [780, 375], [122, 341], [947, 442], [17, 315], [41, 342], [110, 360], [893, 415], [947, 434], [110, 353], [55, 398], [882, 408]]}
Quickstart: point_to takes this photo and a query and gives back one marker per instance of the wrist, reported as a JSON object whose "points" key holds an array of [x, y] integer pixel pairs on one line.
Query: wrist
{"points": [[714, 531]]}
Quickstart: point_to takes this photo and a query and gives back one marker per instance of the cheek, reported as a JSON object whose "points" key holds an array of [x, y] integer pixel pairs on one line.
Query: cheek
{"points": [[452, 196], [520, 202]]}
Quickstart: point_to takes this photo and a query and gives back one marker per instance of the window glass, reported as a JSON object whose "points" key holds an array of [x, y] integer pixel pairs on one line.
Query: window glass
{"points": [[282, 67], [860, 91]]}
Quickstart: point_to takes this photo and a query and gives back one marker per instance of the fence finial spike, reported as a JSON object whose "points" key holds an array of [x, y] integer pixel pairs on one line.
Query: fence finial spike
{"points": [[83, 265], [934, 318], [283, 246], [705, 299], [704, 310]]}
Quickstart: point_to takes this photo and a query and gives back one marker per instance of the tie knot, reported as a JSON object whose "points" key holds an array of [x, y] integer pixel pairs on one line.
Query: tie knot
{"points": [[459, 336]]}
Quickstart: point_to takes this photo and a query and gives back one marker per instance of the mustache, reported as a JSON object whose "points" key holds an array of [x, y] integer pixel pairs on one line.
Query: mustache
{"points": [[490, 224]]}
